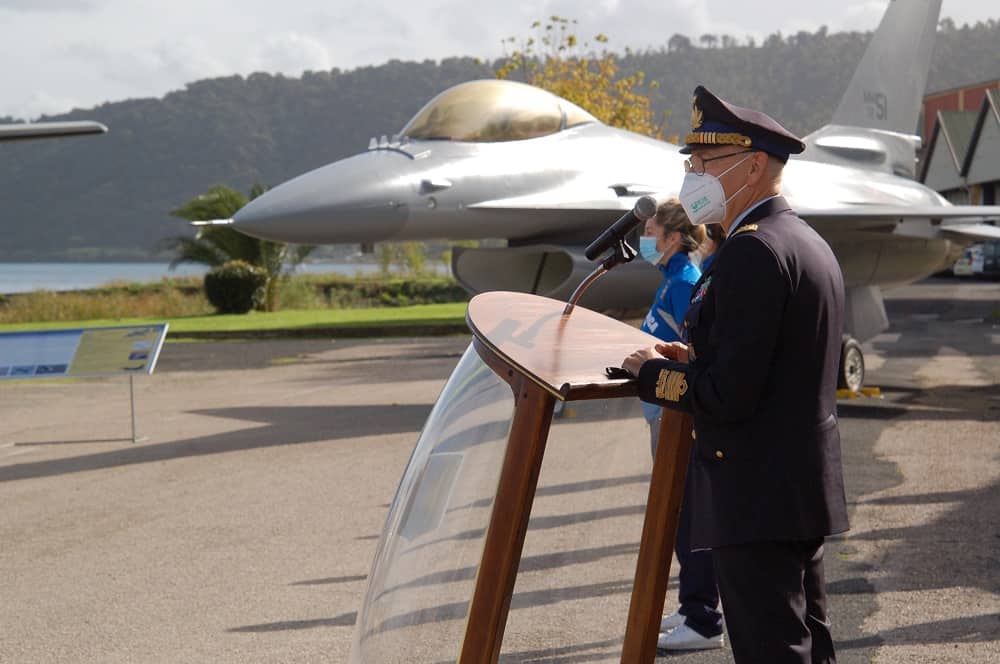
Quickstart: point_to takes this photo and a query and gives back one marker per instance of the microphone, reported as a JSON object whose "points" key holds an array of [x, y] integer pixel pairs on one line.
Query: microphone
{"points": [[644, 208]]}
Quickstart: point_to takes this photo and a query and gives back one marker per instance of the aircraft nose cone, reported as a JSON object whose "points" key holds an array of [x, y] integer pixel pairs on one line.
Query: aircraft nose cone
{"points": [[358, 199]]}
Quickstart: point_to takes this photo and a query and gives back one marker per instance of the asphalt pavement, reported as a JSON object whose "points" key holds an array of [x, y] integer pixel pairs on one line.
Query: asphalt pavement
{"points": [[243, 525]]}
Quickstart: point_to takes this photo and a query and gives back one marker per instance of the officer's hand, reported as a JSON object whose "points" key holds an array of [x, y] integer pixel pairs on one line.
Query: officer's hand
{"points": [[634, 362], [673, 350]]}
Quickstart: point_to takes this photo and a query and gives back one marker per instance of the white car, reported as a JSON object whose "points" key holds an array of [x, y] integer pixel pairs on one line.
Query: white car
{"points": [[970, 263]]}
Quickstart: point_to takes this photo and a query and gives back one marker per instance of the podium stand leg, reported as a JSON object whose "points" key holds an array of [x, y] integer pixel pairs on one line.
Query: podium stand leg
{"points": [[659, 532], [522, 462]]}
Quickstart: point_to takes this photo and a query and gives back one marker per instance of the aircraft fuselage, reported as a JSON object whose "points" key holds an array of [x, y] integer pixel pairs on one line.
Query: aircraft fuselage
{"points": [[566, 188]]}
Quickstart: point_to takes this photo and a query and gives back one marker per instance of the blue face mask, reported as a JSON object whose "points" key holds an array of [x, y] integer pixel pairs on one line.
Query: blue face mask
{"points": [[647, 249]]}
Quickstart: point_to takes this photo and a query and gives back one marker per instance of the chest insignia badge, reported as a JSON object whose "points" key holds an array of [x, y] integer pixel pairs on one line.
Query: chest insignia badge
{"points": [[700, 295]]}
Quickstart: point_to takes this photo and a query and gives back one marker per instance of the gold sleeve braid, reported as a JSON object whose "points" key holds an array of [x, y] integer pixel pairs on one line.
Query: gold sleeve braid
{"points": [[671, 385]]}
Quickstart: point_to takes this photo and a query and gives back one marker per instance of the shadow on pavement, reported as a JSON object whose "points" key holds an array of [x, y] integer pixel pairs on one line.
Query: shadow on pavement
{"points": [[975, 629], [343, 620], [286, 425]]}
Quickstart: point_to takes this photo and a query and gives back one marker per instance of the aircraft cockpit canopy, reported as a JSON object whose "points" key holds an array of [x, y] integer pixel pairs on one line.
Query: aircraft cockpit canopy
{"points": [[491, 111]]}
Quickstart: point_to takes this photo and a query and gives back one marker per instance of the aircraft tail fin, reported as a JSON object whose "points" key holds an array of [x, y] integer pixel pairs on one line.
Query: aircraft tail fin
{"points": [[874, 126], [888, 86]]}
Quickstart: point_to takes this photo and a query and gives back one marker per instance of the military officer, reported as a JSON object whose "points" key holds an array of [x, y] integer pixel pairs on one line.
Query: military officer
{"points": [[759, 376]]}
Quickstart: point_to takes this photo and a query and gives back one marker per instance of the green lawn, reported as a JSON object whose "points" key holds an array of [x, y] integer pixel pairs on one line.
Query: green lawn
{"points": [[426, 314]]}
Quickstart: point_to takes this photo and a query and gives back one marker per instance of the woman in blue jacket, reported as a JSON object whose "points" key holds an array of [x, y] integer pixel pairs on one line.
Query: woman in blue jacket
{"points": [[667, 240]]}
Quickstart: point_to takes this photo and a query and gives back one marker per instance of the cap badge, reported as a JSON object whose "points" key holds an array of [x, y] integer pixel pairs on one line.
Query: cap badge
{"points": [[696, 117]]}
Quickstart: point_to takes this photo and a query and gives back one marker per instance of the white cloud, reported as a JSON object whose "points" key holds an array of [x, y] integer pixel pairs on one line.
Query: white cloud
{"points": [[291, 52], [100, 50], [866, 8], [166, 63], [47, 5], [40, 103]]}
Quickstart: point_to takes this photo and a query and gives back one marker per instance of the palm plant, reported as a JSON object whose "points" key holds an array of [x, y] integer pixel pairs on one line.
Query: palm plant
{"points": [[216, 245]]}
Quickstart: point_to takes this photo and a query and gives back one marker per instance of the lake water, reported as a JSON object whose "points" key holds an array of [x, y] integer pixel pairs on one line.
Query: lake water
{"points": [[25, 277]]}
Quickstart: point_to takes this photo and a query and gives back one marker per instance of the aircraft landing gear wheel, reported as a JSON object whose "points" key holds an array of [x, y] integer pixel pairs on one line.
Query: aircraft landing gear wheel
{"points": [[852, 366]]}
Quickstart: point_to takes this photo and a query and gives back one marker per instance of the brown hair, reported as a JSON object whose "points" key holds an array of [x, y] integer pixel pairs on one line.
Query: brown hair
{"points": [[715, 232], [670, 216]]}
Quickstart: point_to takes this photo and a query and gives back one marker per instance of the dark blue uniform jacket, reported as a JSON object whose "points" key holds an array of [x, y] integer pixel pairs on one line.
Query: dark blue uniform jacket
{"points": [[764, 329]]}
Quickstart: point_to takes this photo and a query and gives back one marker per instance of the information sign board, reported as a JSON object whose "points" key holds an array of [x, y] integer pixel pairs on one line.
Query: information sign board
{"points": [[95, 351]]}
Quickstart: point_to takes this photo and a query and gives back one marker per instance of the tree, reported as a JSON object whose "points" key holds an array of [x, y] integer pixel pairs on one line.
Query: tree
{"points": [[678, 43], [410, 257], [217, 245], [709, 40], [558, 62]]}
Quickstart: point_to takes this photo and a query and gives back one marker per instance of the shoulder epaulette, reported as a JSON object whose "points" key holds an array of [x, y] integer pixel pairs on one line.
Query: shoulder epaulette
{"points": [[745, 229]]}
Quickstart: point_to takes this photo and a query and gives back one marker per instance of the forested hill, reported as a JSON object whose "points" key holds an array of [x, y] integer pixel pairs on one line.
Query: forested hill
{"points": [[110, 196]]}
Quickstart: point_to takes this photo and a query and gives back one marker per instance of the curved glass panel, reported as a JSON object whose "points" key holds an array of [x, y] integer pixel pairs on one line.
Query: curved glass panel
{"points": [[574, 583], [492, 111], [428, 556]]}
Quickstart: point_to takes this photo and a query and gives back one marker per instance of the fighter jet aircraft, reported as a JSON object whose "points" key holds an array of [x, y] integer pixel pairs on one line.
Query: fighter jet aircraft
{"points": [[34, 130], [499, 159]]}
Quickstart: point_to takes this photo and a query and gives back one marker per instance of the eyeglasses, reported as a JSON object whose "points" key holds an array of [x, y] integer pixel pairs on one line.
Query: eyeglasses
{"points": [[695, 164]]}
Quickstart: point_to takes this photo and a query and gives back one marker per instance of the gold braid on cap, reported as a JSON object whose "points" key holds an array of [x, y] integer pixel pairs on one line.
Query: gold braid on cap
{"points": [[717, 138]]}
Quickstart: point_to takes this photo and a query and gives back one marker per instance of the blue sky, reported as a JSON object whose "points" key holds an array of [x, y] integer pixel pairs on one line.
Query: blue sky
{"points": [[61, 54]]}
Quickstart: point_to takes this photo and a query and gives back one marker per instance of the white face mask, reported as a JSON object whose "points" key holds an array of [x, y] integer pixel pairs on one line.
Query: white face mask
{"points": [[703, 198]]}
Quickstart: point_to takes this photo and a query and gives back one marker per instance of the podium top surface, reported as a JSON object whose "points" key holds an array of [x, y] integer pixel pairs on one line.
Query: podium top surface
{"points": [[566, 355]]}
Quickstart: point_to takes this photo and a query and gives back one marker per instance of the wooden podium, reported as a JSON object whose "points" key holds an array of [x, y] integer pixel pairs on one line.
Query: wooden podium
{"points": [[543, 356]]}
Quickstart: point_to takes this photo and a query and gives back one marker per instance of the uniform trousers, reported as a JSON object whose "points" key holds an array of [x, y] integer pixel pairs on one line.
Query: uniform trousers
{"points": [[774, 596]]}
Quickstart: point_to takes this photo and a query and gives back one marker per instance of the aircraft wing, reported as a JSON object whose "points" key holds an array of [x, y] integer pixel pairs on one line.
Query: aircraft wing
{"points": [[973, 231], [31, 130], [964, 222], [945, 213]]}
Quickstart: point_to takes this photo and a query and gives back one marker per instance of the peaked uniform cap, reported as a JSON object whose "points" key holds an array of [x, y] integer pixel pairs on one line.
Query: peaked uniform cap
{"points": [[715, 121]]}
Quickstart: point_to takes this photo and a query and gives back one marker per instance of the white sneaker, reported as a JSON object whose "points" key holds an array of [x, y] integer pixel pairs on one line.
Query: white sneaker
{"points": [[670, 622], [685, 638]]}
